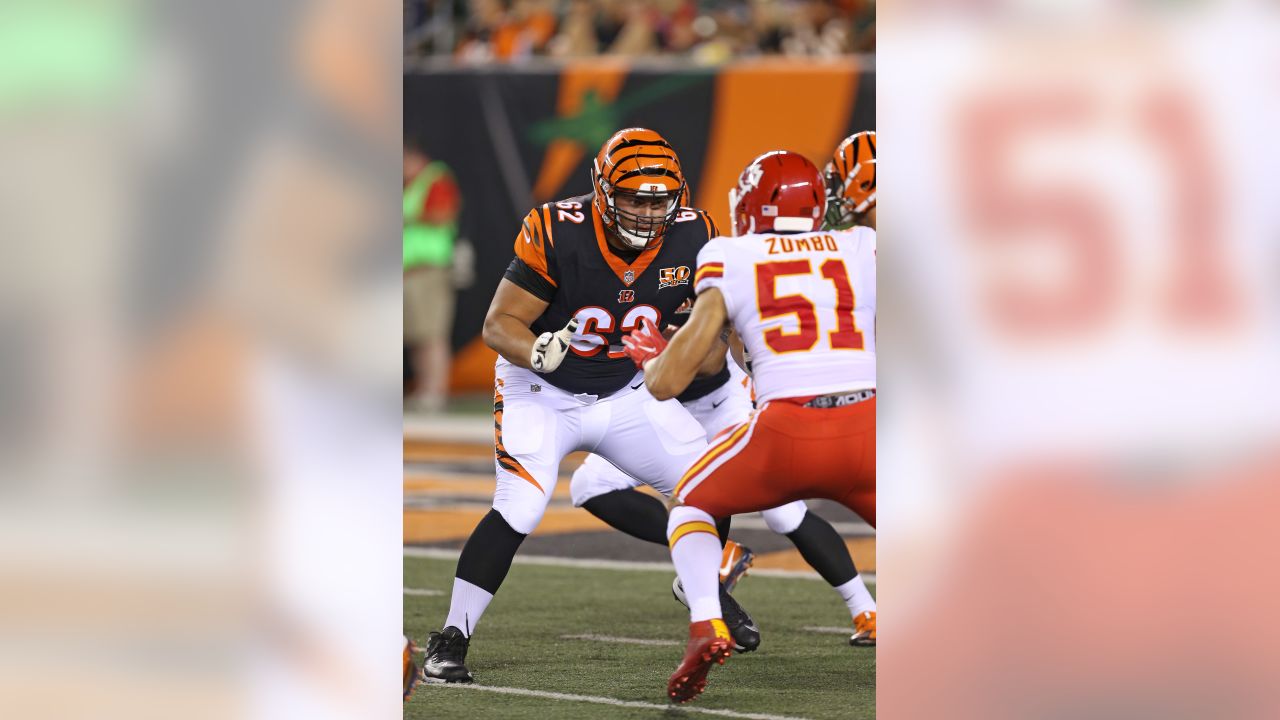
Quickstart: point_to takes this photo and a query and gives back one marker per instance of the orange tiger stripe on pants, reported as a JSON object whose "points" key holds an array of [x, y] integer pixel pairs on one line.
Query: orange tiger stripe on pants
{"points": [[504, 458]]}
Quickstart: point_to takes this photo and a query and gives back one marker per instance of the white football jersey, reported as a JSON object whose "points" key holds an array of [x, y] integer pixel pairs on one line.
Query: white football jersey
{"points": [[803, 304]]}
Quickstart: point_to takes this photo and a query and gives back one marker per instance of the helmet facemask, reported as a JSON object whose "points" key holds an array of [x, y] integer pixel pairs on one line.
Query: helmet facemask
{"points": [[635, 230], [637, 168], [840, 213]]}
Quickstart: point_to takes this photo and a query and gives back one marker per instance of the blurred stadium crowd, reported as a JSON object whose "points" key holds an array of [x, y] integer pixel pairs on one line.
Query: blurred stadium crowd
{"points": [[703, 31]]}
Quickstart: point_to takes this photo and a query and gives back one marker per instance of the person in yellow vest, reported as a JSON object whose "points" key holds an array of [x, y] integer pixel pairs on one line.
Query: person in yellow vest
{"points": [[432, 204]]}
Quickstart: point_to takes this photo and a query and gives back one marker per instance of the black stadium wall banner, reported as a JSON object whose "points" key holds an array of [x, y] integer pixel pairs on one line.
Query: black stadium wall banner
{"points": [[515, 138]]}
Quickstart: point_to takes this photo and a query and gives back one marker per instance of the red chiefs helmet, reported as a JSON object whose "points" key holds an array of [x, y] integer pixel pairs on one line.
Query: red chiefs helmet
{"points": [[780, 191]]}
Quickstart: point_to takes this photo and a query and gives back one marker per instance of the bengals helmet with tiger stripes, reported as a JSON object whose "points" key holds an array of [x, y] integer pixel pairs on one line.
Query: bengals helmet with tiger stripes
{"points": [[851, 180], [638, 163]]}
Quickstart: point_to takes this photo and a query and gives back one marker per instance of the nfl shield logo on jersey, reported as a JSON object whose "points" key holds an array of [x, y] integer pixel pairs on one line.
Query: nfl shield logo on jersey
{"points": [[629, 277]]}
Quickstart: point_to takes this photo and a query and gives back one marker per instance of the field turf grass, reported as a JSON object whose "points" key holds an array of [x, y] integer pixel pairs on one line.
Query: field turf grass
{"points": [[519, 644]]}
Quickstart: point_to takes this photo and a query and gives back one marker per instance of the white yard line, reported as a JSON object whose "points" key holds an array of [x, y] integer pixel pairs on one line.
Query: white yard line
{"points": [[622, 640], [423, 591], [450, 554], [829, 629], [617, 703], [592, 564]]}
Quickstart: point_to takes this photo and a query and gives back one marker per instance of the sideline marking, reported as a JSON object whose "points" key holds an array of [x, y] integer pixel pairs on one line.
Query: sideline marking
{"points": [[623, 640], [423, 591], [590, 564], [611, 701]]}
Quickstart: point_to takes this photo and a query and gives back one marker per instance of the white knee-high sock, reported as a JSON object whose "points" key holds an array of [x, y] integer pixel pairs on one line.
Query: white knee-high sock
{"points": [[468, 604], [695, 550], [857, 597]]}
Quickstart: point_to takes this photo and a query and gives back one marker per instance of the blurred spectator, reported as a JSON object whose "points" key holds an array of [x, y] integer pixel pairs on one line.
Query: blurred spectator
{"points": [[707, 31], [637, 35], [432, 27], [537, 23], [577, 35], [506, 30], [431, 207]]}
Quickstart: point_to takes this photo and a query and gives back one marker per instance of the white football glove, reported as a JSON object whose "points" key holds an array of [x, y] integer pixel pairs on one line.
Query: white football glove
{"points": [[550, 347]]}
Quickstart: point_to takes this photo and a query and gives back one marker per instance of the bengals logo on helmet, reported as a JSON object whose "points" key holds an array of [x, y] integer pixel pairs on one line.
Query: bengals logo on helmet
{"points": [[851, 180], [638, 163]]}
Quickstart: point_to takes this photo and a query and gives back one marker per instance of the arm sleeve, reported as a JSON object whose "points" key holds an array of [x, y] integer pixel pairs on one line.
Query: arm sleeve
{"points": [[529, 279], [534, 248], [710, 272], [712, 231]]}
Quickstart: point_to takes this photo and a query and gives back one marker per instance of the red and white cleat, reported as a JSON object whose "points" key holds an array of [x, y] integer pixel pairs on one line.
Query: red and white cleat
{"points": [[709, 643]]}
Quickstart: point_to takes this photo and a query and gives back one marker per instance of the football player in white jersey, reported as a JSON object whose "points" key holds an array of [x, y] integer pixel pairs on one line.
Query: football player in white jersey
{"points": [[803, 302], [608, 493]]}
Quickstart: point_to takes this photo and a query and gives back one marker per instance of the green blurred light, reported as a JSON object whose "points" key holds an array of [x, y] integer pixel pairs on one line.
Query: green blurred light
{"points": [[64, 51]]}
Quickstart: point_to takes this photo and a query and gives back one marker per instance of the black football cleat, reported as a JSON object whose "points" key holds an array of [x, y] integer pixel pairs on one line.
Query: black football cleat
{"points": [[746, 635], [446, 657]]}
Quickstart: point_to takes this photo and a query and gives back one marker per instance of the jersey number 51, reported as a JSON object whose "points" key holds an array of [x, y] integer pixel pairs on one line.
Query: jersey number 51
{"points": [[845, 336]]}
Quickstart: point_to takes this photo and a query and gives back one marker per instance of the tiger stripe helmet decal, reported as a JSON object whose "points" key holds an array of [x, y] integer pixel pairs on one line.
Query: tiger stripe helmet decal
{"points": [[851, 180], [639, 163]]}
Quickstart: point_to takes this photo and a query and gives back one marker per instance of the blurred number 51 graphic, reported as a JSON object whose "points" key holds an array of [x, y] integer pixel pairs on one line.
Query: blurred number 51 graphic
{"points": [[1085, 228]]}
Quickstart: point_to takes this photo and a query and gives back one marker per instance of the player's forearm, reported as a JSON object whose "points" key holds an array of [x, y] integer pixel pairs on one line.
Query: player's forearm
{"points": [[510, 338], [714, 361], [667, 377], [670, 373]]}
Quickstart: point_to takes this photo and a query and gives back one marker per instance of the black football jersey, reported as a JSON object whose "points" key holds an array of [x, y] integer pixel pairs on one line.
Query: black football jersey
{"points": [[562, 257]]}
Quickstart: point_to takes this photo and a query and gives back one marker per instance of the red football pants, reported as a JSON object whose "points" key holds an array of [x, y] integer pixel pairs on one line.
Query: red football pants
{"points": [[788, 452]]}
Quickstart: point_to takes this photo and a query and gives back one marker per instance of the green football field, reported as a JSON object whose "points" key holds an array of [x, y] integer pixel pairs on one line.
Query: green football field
{"points": [[528, 665]]}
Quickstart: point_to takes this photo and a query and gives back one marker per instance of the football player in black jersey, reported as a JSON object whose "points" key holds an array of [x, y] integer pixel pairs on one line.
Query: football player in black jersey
{"points": [[586, 271]]}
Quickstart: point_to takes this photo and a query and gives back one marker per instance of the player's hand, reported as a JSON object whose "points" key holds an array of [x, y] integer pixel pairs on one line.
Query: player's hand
{"points": [[644, 343], [550, 347]]}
